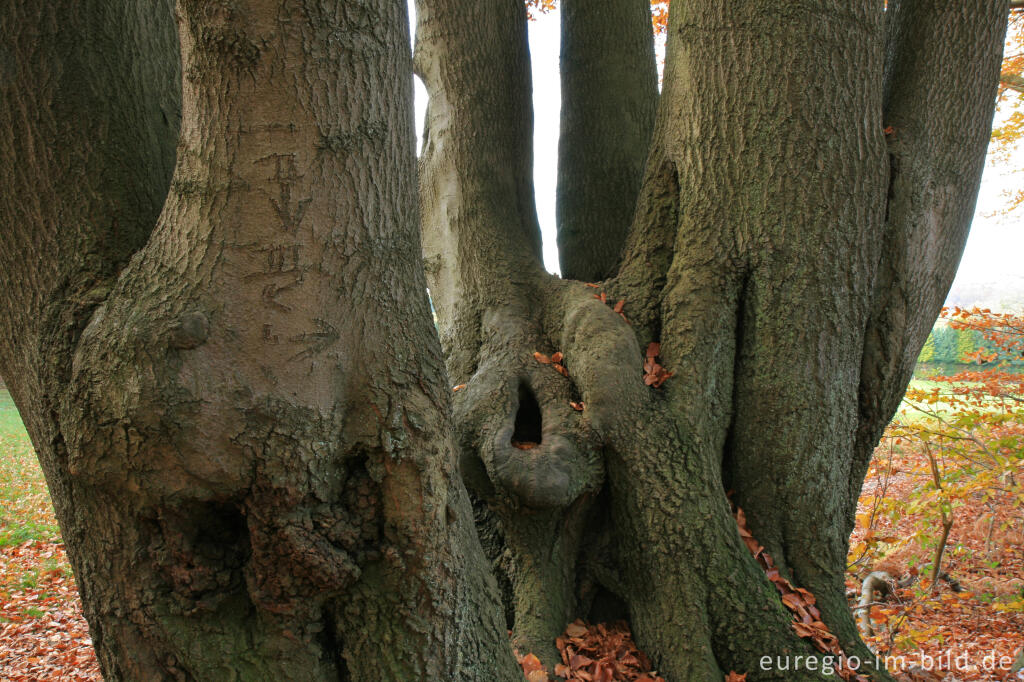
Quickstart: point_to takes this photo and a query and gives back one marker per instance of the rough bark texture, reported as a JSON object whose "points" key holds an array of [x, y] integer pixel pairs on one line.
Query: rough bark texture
{"points": [[609, 95], [249, 440], [482, 251], [936, 85], [757, 257], [242, 412]]}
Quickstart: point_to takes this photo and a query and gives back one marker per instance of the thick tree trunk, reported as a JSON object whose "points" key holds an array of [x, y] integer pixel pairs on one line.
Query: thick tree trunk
{"points": [[242, 412], [249, 440], [754, 259]]}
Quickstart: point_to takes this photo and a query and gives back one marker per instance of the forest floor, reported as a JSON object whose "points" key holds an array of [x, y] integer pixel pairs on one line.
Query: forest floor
{"points": [[971, 623], [43, 635]]}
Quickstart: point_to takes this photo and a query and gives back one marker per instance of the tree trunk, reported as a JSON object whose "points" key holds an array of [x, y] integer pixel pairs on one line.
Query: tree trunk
{"points": [[248, 431], [609, 95], [755, 258], [227, 365]]}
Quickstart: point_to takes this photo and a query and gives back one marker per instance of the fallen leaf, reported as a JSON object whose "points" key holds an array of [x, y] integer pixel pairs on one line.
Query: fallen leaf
{"points": [[541, 358], [531, 664], [557, 356], [576, 628], [459, 387]]}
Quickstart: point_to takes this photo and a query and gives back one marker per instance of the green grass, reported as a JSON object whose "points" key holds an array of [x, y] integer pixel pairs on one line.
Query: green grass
{"points": [[10, 421], [943, 409], [25, 510]]}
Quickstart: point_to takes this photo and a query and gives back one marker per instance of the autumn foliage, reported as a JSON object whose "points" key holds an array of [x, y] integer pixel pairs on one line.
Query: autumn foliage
{"points": [[941, 511]]}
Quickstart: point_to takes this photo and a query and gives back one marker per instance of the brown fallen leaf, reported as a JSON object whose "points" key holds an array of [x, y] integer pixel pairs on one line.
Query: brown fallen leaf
{"points": [[578, 406], [459, 387], [654, 373], [531, 664], [541, 358], [561, 369], [592, 285], [735, 677], [576, 628], [557, 356], [524, 446], [619, 306]]}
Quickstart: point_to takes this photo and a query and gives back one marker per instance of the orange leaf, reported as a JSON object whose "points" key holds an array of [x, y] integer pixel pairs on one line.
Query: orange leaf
{"points": [[531, 663], [557, 356], [541, 358], [459, 387]]}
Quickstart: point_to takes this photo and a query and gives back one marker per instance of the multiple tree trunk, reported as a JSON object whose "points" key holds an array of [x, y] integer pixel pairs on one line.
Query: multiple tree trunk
{"points": [[225, 357]]}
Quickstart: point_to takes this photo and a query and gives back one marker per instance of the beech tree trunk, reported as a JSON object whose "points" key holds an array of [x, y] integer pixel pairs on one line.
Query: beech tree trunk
{"points": [[245, 426], [216, 326]]}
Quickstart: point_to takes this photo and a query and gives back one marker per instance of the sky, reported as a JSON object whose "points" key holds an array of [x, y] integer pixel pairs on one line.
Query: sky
{"points": [[991, 271]]}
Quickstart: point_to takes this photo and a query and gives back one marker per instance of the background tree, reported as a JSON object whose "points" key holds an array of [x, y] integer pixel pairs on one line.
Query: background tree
{"points": [[230, 374]]}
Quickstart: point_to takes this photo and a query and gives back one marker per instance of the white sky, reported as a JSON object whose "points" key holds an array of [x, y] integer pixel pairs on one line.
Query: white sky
{"points": [[992, 261]]}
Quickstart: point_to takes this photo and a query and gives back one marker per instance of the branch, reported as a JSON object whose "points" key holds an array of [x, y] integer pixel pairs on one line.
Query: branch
{"points": [[1013, 81], [941, 76], [609, 94], [480, 229], [876, 581]]}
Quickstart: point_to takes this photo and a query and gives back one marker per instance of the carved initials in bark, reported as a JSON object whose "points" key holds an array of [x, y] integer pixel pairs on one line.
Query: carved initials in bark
{"points": [[233, 515], [286, 175]]}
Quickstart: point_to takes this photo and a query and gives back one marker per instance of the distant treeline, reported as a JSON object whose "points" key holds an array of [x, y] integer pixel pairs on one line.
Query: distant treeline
{"points": [[948, 346]]}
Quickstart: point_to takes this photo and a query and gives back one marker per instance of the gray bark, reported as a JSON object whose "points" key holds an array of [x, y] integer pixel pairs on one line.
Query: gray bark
{"points": [[250, 438], [482, 252], [239, 400], [609, 94], [756, 258]]}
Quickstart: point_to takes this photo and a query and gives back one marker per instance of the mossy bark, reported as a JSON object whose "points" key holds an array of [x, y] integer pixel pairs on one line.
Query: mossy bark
{"points": [[243, 414], [756, 257], [226, 361]]}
